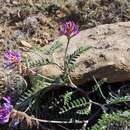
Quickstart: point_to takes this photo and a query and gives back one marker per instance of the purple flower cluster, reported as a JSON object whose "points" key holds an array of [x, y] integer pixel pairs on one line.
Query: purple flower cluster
{"points": [[5, 110], [12, 57], [69, 29]]}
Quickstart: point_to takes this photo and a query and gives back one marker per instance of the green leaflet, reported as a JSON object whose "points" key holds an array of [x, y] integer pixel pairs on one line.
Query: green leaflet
{"points": [[38, 85], [111, 121], [80, 102], [39, 62], [71, 59]]}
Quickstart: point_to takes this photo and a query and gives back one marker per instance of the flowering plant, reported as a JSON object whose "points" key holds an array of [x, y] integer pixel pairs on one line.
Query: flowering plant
{"points": [[12, 57], [69, 29], [5, 110], [40, 82]]}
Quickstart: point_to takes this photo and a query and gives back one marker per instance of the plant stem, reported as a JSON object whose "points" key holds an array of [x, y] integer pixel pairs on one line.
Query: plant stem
{"points": [[75, 87], [29, 71], [44, 77], [99, 88], [98, 104], [23, 114], [59, 122], [65, 56]]}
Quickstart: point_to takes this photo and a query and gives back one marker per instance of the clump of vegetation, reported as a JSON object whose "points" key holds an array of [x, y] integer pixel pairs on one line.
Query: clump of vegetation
{"points": [[113, 121], [33, 100], [44, 103]]}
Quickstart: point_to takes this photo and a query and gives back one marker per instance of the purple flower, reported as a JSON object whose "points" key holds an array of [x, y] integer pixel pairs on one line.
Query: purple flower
{"points": [[12, 57], [5, 110], [69, 29]]}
